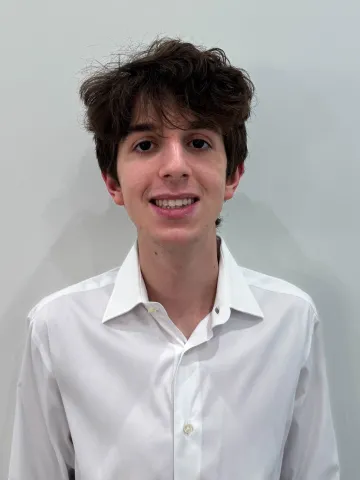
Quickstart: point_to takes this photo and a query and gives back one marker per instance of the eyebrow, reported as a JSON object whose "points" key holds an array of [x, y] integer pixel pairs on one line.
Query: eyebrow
{"points": [[192, 125]]}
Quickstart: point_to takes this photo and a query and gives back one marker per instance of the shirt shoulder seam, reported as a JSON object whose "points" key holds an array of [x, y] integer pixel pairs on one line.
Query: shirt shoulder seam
{"points": [[297, 292], [74, 288]]}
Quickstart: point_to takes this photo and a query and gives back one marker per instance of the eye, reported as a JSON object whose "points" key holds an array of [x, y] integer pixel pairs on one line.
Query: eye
{"points": [[200, 144], [143, 146]]}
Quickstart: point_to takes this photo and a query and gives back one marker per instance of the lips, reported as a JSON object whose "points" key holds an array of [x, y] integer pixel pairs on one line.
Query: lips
{"points": [[174, 212]]}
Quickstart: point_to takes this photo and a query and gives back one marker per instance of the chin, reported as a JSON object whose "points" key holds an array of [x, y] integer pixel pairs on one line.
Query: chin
{"points": [[180, 235]]}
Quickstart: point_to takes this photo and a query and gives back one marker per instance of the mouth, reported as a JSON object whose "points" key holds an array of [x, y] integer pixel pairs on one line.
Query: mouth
{"points": [[173, 204]]}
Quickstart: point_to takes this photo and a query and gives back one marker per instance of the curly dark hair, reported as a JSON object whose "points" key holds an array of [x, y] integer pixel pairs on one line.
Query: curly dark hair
{"points": [[201, 82]]}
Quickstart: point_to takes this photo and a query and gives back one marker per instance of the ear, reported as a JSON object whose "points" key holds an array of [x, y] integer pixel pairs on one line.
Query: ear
{"points": [[114, 189], [233, 182]]}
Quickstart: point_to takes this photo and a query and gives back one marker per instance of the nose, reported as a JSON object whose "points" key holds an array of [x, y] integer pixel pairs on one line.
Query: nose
{"points": [[174, 161]]}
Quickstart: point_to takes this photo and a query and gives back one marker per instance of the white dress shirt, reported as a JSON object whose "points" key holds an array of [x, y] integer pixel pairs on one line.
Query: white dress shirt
{"points": [[109, 385]]}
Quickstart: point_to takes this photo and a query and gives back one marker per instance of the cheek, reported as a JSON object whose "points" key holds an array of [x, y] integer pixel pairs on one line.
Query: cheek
{"points": [[133, 186], [218, 171], [218, 181]]}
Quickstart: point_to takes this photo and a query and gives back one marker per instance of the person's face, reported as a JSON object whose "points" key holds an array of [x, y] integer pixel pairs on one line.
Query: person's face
{"points": [[172, 181]]}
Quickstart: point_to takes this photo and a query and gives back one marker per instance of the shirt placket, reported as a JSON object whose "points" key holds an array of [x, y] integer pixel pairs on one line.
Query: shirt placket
{"points": [[187, 419]]}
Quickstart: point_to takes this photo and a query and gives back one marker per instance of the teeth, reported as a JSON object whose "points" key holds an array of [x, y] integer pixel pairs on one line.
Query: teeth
{"points": [[178, 203]]}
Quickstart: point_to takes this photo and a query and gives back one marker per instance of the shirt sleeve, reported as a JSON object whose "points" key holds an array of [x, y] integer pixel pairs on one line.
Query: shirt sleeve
{"points": [[310, 450], [41, 445]]}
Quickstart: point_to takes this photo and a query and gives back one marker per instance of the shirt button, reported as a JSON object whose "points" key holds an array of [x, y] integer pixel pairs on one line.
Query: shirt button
{"points": [[188, 429], [217, 310], [152, 309]]}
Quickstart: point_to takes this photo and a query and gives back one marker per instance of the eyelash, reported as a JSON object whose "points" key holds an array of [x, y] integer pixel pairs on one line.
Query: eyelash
{"points": [[194, 139]]}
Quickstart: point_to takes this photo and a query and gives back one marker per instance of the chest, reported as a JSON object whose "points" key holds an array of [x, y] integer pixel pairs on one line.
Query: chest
{"points": [[187, 410]]}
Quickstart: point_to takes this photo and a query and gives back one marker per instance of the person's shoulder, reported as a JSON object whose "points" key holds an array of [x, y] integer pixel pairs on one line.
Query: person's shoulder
{"points": [[280, 290], [59, 302]]}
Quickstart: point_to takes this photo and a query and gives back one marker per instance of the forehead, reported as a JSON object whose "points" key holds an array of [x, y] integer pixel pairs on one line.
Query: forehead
{"points": [[168, 114]]}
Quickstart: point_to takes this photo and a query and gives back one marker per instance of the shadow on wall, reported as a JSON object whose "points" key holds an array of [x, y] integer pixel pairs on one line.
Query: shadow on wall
{"points": [[89, 244]]}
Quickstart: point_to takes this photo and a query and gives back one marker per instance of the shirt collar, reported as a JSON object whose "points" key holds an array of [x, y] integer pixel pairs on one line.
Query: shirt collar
{"points": [[232, 290], [129, 289]]}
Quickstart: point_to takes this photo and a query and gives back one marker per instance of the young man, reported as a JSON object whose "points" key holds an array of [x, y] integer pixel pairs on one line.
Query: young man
{"points": [[180, 364]]}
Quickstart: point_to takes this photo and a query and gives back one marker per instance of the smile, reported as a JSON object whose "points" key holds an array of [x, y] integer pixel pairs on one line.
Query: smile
{"points": [[174, 203]]}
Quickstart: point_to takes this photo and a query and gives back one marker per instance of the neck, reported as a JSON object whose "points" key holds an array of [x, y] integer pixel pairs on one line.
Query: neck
{"points": [[182, 278]]}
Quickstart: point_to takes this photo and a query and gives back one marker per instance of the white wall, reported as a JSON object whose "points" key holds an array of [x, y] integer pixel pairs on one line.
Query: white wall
{"points": [[294, 216]]}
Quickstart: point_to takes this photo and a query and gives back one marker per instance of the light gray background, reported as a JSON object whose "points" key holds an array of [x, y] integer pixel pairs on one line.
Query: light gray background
{"points": [[295, 215]]}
